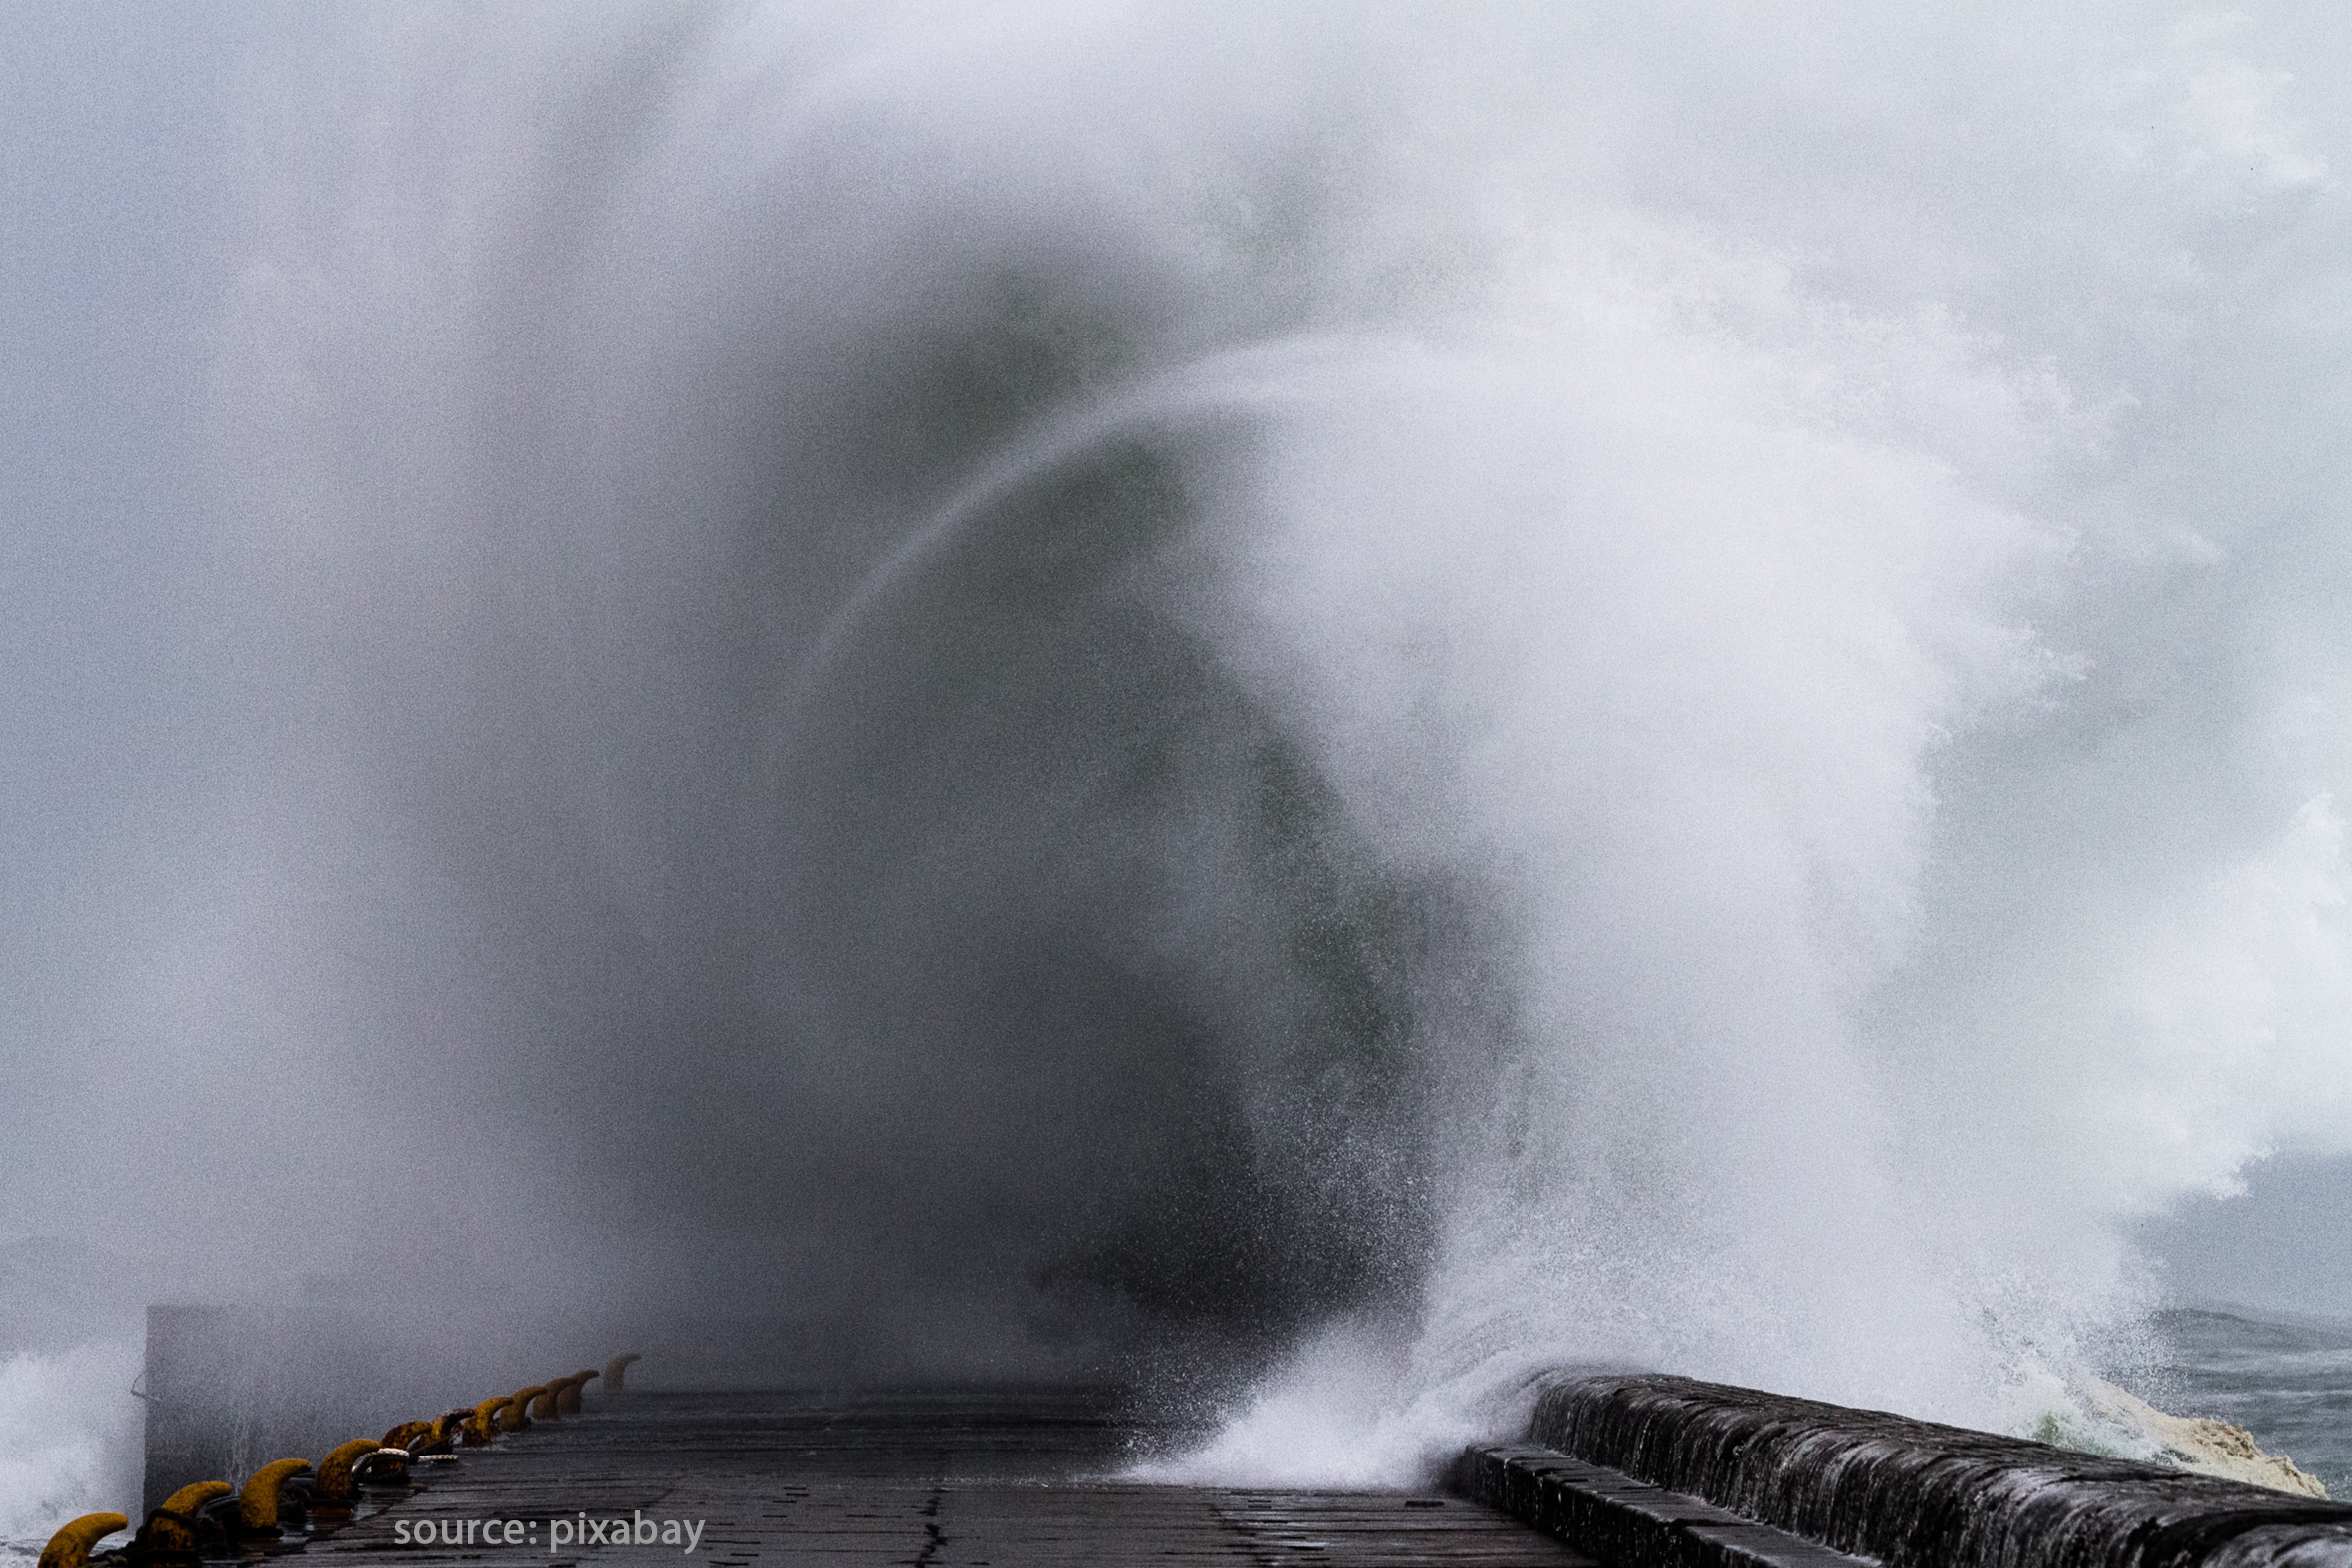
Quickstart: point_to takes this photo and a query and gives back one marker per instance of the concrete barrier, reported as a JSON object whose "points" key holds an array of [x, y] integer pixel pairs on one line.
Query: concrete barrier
{"points": [[1655, 1471]]}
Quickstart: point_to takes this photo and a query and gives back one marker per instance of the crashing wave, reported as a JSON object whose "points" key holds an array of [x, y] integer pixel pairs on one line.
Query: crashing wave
{"points": [[2199, 1443]]}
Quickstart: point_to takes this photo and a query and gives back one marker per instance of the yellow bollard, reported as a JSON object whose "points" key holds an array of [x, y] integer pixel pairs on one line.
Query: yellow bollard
{"points": [[334, 1487], [173, 1527], [257, 1504], [70, 1547], [408, 1431], [568, 1402], [442, 1436], [512, 1416]]}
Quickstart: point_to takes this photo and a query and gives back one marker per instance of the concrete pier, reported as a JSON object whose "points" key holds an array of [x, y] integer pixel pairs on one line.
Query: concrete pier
{"points": [[968, 1478], [1626, 1471]]}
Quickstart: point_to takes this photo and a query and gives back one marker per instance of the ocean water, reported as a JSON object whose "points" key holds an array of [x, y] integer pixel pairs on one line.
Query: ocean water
{"points": [[2286, 1381]]}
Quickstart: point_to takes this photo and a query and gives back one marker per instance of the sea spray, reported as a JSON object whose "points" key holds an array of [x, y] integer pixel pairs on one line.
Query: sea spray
{"points": [[1326, 709], [68, 1441]]}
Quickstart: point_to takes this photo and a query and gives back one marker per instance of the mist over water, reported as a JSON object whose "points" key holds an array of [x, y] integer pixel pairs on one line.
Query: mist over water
{"points": [[1320, 709]]}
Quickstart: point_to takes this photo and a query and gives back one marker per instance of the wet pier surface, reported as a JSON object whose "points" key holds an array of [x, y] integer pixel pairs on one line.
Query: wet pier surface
{"points": [[939, 1481]]}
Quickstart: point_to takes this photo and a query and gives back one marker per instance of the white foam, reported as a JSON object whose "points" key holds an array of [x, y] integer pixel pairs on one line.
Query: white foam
{"points": [[68, 1441]]}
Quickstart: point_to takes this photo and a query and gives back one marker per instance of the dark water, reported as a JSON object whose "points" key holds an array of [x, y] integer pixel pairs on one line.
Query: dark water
{"points": [[2288, 1382]]}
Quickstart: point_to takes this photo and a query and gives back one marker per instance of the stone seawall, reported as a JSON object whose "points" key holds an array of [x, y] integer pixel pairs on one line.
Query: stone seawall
{"points": [[1657, 1472]]}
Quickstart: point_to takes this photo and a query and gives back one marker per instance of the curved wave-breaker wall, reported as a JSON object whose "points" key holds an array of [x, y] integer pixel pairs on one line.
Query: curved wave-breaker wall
{"points": [[1917, 1494]]}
